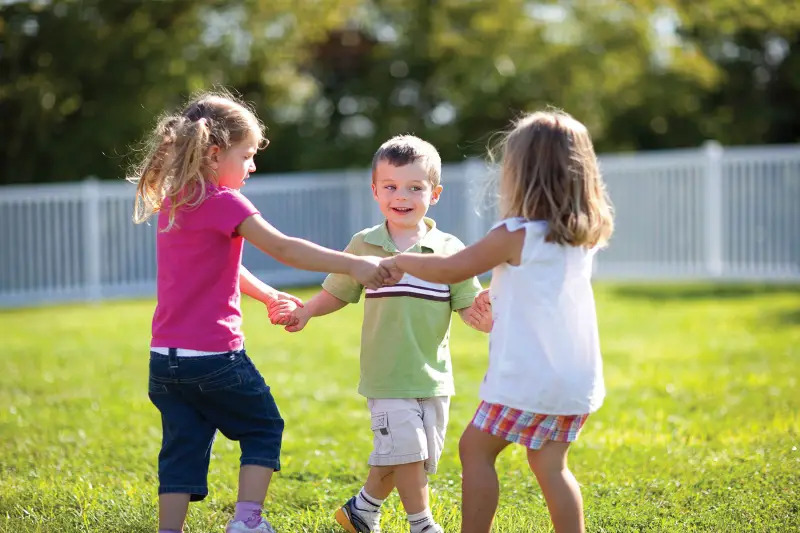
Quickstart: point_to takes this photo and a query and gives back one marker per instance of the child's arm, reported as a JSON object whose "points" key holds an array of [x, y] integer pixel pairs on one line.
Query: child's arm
{"points": [[306, 255], [320, 304], [499, 246]]}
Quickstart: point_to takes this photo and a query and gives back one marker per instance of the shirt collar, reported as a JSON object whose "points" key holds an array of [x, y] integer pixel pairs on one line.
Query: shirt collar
{"points": [[431, 242]]}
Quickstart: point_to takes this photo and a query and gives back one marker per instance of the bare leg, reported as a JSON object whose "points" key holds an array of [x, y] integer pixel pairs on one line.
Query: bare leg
{"points": [[412, 486], [480, 490], [172, 508], [560, 488], [253, 483], [380, 481]]}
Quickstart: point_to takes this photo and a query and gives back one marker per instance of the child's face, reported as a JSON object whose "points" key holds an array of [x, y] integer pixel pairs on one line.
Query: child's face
{"points": [[234, 165], [404, 194]]}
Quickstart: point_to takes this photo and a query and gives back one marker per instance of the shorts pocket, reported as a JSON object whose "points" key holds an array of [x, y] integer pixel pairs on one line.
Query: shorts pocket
{"points": [[382, 436], [226, 382]]}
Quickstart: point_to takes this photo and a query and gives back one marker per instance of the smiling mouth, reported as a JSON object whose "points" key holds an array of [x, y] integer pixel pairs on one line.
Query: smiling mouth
{"points": [[402, 210]]}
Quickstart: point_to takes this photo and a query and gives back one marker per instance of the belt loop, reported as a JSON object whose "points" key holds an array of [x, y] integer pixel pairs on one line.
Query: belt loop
{"points": [[173, 358]]}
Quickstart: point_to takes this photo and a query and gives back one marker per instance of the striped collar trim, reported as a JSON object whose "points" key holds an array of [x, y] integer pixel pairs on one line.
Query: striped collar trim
{"points": [[432, 241]]}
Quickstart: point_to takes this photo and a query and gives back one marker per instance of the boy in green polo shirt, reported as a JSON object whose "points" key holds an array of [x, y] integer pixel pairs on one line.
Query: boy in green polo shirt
{"points": [[406, 373]]}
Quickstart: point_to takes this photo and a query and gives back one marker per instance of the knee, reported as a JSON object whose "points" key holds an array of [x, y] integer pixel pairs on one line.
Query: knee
{"points": [[470, 453], [546, 464], [538, 465], [383, 473]]}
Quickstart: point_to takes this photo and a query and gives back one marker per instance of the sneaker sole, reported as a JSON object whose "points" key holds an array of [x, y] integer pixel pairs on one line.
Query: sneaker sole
{"points": [[344, 521]]}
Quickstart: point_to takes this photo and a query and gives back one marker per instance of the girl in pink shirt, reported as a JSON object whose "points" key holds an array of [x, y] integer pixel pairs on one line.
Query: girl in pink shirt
{"points": [[201, 379]]}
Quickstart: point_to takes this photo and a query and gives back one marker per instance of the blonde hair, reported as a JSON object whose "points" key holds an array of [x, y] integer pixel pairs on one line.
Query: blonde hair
{"points": [[175, 166], [406, 149], [549, 172]]}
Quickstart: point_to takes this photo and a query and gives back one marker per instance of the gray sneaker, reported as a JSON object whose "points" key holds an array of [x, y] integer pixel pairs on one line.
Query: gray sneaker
{"points": [[348, 517]]}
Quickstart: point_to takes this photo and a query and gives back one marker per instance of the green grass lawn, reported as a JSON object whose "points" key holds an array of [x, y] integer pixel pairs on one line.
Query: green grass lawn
{"points": [[700, 430]]}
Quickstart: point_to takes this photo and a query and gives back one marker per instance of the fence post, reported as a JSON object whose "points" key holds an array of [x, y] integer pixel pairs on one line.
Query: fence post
{"points": [[91, 236], [475, 191], [713, 200], [355, 183]]}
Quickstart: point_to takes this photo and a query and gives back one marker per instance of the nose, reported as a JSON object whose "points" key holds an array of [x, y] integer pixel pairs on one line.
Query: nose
{"points": [[252, 167]]}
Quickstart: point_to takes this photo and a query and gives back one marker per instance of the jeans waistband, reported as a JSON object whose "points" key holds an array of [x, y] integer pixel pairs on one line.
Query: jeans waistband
{"points": [[185, 352]]}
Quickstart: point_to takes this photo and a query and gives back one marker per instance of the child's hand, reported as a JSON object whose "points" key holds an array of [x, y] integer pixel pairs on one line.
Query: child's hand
{"points": [[286, 296], [479, 314], [299, 319], [369, 272], [280, 309], [395, 274], [484, 301]]}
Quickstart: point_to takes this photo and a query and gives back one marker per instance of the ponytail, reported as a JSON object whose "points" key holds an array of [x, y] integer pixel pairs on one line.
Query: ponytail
{"points": [[175, 165]]}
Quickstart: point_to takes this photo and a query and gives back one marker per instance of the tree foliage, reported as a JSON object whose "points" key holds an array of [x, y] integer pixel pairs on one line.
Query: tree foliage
{"points": [[81, 81]]}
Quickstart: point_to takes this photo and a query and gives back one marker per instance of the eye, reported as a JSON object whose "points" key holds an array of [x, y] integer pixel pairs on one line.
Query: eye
{"points": [[416, 188], [390, 187]]}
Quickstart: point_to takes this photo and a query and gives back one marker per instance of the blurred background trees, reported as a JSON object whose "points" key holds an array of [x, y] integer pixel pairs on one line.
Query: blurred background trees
{"points": [[82, 81]]}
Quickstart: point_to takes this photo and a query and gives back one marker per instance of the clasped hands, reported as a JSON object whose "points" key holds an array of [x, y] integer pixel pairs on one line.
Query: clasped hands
{"points": [[379, 272]]}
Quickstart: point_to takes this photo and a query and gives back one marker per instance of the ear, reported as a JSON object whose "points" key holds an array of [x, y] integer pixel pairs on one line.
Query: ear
{"points": [[374, 191], [212, 155], [435, 194]]}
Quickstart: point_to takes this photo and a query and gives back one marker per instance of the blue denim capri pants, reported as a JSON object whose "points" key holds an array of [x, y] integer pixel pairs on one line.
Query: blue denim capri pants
{"points": [[198, 396]]}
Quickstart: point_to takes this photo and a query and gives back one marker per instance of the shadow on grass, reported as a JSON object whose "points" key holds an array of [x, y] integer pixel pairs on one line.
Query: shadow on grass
{"points": [[317, 476], [702, 291], [784, 318]]}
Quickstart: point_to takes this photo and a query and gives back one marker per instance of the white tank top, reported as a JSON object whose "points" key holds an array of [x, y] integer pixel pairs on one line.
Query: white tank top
{"points": [[544, 348]]}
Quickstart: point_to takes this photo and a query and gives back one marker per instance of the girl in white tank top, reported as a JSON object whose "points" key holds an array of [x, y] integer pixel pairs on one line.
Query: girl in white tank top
{"points": [[545, 371]]}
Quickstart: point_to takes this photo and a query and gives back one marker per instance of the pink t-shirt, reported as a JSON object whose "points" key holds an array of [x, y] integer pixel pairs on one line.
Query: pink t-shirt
{"points": [[198, 274]]}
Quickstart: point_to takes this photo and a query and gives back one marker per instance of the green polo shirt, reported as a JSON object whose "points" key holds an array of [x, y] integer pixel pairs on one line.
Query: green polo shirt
{"points": [[405, 350]]}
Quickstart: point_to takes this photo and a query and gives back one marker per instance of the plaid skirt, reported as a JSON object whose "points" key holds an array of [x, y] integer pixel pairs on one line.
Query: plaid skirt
{"points": [[526, 428]]}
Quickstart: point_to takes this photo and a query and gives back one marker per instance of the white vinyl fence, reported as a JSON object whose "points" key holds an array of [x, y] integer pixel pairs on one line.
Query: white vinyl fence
{"points": [[703, 213]]}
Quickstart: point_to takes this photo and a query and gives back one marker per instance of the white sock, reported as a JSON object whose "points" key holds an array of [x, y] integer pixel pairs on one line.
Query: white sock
{"points": [[422, 522], [368, 507]]}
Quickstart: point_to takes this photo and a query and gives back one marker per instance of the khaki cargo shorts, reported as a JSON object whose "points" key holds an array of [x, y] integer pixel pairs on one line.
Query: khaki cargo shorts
{"points": [[407, 430]]}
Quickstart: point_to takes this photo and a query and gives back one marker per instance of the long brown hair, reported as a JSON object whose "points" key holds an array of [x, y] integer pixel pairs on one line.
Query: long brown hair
{"points": [[549, 172], [174, 166]]}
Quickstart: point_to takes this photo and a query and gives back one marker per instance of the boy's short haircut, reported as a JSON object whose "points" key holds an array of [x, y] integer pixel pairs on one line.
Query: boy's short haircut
{"points": [[406, 149]]}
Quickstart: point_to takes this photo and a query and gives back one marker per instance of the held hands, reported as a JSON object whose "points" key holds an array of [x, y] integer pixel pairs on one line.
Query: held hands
{"points": [[484, 301], [298, 320], [395, 274], [373, 273], [479, 314], [289, 314], [282, 307]]}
